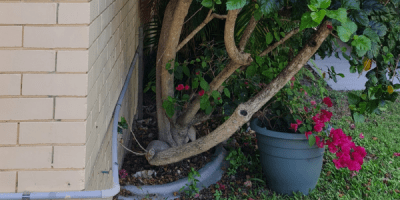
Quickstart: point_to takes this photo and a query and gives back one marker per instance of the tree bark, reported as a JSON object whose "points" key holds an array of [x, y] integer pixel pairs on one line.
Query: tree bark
{"points": [[175, 14], [243, 112]]}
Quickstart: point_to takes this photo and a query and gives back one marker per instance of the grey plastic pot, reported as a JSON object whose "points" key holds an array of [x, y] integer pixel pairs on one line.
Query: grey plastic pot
{"points": [[288, 162]]}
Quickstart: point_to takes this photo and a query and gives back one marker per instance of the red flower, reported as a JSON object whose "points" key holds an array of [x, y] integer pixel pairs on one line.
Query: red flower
{"points": [[329, 27], [201, 93], [298, 122], [180, 87], [396, 154], [293, 78], [197, 73], [246, 83], [328, 101], [305, 109], [313, 102], [219, 98], [318, 127], [320, 143], [187, 87], [308, 133], [294, 126]]}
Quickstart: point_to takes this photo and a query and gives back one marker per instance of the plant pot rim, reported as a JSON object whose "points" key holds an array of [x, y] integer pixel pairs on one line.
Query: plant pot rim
{"points": [[281, 135], [209, 174]]}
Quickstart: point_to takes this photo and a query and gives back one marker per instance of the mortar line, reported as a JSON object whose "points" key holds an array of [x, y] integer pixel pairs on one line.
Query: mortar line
{"points": [[58, 5], [52, 157], [23, 32], [18, 128], [16, 182], [20, 90], [54, 108], [55, 64]]}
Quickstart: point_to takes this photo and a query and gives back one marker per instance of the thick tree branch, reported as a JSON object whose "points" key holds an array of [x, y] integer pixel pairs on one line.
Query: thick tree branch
{"points": [[276, 44], [229, 38], [244, 112], [193, 33], [194, 106]]}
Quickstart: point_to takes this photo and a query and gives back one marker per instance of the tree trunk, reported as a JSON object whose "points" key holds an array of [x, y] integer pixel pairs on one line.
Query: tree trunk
{"points": [[175, 14], [243, 112]]}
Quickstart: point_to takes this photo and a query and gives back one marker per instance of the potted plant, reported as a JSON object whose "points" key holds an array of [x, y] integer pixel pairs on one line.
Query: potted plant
{"points": [[291, 136]]}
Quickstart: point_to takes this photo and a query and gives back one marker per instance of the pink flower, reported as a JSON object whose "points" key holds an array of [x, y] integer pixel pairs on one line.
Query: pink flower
{"points": [[122, 173], [361, 136], [305, 109], [247, 184], [298, 122], [291, 84], [352, 126], [294, 126], [250, 199], [396, 154], [201, 93], [320, 143], [318, 127], [246, 143], [180, 87], [308, 133], [187, 87], [329, 27], [326, 115], [293, 78], [221, 186], [353, 174], [197, 73], [327, 101], [305, 93], [196, 195], [313, 102]]}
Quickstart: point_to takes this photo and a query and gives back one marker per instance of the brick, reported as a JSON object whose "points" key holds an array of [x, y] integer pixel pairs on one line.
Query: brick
{"points": [[56, 37], [72, 61], [8, 133], [27, 60], [74, 13], [71, 108], [69, 156], [25, 157], [26, 108], [10, 84], [28, 13], [10, 36], [94, 30], [8, 180], [48, 181], [94, 9], [54, 84], [52, 132]]}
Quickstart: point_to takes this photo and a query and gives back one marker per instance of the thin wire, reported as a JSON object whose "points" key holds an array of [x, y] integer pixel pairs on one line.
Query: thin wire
{"points": [[135, 138], [139, 154]]}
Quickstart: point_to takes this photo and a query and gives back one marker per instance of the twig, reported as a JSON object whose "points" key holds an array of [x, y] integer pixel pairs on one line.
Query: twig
{"points": [[135, 137], [193, 14], [276, 44], [139, 154]]}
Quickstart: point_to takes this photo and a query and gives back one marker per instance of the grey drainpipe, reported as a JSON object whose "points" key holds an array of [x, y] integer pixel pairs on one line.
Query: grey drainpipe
{"points": [[87, 194]]}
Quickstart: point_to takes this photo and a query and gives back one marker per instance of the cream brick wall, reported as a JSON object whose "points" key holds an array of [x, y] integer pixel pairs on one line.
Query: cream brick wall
{"points": [[62, 67]]}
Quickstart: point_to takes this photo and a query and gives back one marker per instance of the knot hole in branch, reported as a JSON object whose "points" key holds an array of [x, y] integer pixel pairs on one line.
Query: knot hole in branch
{"points": [[243, 112]]}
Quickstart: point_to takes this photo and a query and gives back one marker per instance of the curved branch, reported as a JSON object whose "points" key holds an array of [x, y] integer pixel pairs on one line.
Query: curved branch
{"points": [[244, 112], [276, 44], [229, 39]]}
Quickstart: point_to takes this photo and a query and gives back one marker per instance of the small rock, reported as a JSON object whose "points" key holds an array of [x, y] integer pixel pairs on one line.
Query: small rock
{"points": [[179, 171], [233, 178], [151, 135], [145, 174]]}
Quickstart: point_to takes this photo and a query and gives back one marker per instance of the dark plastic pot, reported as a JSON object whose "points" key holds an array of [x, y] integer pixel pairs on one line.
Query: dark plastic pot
{"points": [[289, 163]]}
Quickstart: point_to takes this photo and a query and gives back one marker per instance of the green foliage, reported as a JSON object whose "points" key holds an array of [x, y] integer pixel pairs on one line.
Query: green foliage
{"points": [[122, 125], [236, 160], [346, 30], [235, 4], [192, 188]]}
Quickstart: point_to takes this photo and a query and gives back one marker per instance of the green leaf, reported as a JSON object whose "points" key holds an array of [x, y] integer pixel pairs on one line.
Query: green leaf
{"points": [[204, 85], [257, 14], [351, 4], [208, 109], [378, 27], [358, 118], [324, 3], [339, 14], [203, 64], [235, 4], [169, 108], [251, 71], [204, 103], [218, 1], [362, 44], [195, 83], [318, 16], [215, 94], [269, 38], [312, 7], [227, 93], [207, 3], [359, 16], [185, 97], [270, 6], [311, 140], [186, 71], [353, 98], [371, 35], [168, 66], [346, 30], [276, 35], [341, 75], [307, 21]]}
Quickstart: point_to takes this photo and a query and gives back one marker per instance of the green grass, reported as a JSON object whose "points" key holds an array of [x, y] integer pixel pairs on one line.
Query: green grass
{"points": [[379, 177]]}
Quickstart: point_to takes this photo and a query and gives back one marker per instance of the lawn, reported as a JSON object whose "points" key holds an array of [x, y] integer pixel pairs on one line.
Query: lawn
{"points": [[379, 177]]}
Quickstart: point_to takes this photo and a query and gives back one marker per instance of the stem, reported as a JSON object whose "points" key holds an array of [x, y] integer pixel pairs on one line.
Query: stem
{"points": [[276, 44]]}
